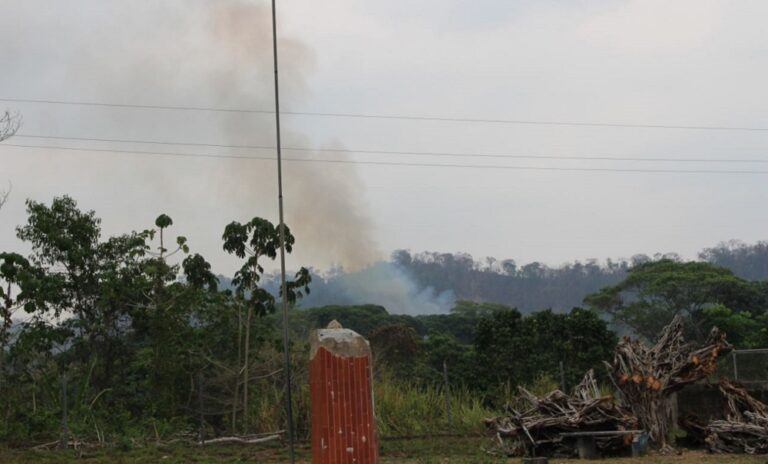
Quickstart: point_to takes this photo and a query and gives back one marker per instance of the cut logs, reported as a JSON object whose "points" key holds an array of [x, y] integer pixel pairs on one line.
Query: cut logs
{"points": [[536, 427], [744, 428]]}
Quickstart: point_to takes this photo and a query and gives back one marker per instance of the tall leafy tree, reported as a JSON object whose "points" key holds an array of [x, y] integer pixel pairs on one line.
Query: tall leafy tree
{"points": [[162, 328], [254, 241], [654, 292], [92, 284]]}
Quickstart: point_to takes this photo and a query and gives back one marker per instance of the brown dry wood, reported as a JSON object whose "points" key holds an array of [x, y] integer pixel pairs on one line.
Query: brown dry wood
{"points": [[648, 376], [239, 440], [539, 428], [744, 428], [645, 376]]}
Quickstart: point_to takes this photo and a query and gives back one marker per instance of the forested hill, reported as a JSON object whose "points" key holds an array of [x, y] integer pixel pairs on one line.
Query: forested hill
{"points": [[430, 283], [535, 286], [529, 287]]}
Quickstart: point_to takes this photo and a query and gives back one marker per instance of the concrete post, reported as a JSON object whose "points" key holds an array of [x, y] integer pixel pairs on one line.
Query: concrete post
{"points": [[343, 422]]}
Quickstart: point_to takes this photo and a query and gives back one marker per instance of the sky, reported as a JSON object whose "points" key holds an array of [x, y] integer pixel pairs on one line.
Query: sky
{"points": [[646, 62]]}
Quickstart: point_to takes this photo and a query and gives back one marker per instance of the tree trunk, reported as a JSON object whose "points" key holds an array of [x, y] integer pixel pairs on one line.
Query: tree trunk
{"points": [[246, 368], [236, 394]]}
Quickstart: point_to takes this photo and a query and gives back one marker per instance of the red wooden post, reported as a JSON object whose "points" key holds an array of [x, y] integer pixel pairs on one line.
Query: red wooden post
{"points": [[343, 424]]}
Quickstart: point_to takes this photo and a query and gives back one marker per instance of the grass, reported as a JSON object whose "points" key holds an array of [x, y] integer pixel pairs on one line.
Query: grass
{"points": [[403, 410], [423, 451], [406, 409]]}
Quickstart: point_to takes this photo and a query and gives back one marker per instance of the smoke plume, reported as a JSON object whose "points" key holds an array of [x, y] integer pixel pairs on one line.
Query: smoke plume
{"points": [[207, 55], [383, 283], [324, 204]]}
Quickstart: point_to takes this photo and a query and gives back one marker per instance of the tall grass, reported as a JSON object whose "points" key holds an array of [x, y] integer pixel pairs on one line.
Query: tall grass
{"points": [[402, 409], [405, 409]]}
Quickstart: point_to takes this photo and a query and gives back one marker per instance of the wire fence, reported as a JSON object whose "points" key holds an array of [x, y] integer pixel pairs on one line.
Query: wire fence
{"points": [[748, 367]]}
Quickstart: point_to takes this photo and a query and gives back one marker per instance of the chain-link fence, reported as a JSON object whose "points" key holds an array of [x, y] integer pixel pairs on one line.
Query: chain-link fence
{"points": [[748, 367]]}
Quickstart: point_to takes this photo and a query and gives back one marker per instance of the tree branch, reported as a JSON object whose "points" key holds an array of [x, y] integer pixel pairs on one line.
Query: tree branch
{"points": [[9, 125]]}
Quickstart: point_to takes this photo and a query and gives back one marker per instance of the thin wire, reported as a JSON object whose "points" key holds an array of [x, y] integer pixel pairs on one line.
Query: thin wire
{"points": [[393, 117], [388, 163], [406, 153]]}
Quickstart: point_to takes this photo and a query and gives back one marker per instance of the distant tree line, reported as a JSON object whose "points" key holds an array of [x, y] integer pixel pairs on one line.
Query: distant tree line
{"points": [[535, 286], [748, 261]]}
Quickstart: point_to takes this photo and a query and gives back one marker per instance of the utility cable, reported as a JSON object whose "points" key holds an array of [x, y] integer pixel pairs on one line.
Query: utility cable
{"points": [[406, 153], [394, 117], [388, 163]]}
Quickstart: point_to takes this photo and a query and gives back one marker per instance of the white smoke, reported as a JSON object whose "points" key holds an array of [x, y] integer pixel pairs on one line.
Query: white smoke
{"points": [[383, 283]]}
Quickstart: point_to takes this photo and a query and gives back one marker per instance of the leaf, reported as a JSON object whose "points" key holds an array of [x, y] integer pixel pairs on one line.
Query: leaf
{"points": [[163, 221]]}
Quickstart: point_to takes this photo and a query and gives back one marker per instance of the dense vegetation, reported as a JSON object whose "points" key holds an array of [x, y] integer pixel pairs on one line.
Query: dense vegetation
{"points": [[135, 338], [704, 294]]}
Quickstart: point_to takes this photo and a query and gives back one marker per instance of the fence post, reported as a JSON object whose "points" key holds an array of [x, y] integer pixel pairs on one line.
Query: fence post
{"points": [[201, 429], [447, 396], [64, 440], [562, 377], [343, 422], [735, 367]]}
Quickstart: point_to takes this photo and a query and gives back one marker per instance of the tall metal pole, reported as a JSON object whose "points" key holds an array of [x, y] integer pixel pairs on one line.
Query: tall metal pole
{"points": [[288, 399]]}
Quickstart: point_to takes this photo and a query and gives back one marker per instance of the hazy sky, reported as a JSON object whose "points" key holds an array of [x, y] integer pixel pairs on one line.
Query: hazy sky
{"points": [[687, 63]]}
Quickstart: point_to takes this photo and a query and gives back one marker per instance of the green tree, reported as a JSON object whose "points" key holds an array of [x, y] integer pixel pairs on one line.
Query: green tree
{"points": [[93, 284], [161, 333], [514, 349], [654, 292], [125, 315], [255, 240], [18, 282], [744, 329]]}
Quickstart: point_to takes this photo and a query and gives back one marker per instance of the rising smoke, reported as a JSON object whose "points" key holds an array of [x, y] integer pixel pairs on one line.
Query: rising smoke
{"points": [[324, 205], [384, 283], [206, 54]]}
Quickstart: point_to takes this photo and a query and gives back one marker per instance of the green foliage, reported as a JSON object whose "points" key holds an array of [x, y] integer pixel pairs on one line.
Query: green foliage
{"points": [[363, 319], [743, 328], [252, 241], [517, 349], [654, 292], [113, 317], [484, 346], [163, 221]]}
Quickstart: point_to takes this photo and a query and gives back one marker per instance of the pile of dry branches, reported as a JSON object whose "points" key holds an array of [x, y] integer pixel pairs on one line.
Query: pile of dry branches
{"points": [[647, 376], [536, 427], [744, 429]]}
